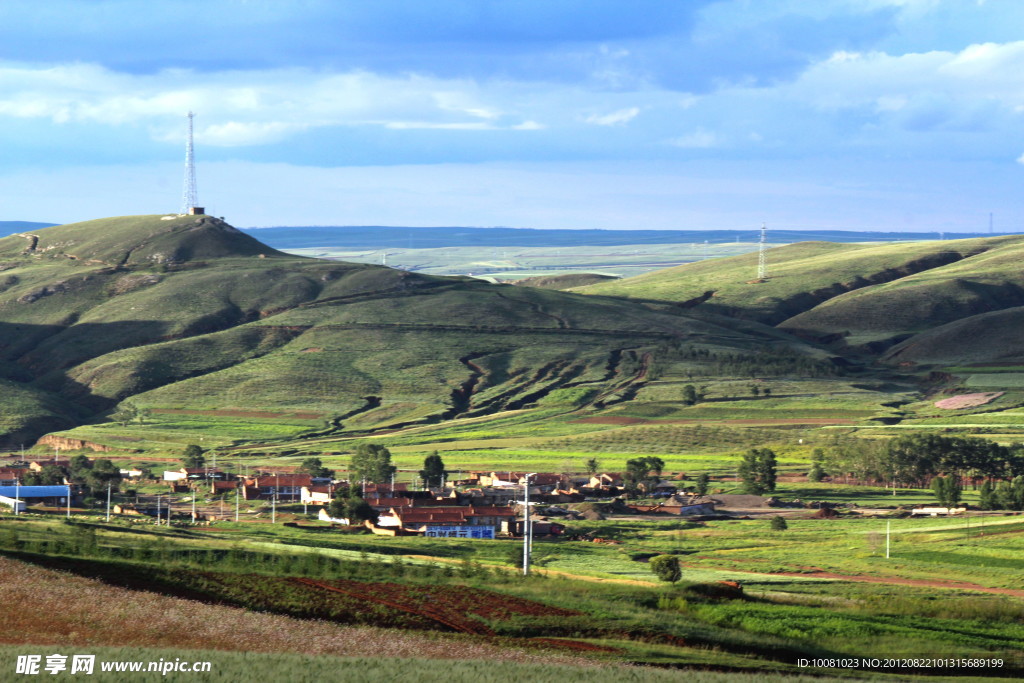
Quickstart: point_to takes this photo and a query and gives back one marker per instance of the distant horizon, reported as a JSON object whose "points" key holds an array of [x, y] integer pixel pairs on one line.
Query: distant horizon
{"points": [[5, 224]]}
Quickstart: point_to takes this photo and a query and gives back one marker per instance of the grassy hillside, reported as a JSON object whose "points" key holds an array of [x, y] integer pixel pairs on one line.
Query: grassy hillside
{"points": [[189, 312], [560, 282], [856, 296]]}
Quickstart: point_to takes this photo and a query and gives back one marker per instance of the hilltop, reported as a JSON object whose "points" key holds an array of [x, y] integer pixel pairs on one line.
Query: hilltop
{"points": [[173, 312]]}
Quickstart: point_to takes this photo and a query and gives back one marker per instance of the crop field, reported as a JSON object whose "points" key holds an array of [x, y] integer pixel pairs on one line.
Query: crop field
{"points": [[820, 587]]}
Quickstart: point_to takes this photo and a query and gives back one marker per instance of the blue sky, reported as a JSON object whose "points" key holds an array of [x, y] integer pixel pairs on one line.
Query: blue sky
{"points": [[674, 114]]}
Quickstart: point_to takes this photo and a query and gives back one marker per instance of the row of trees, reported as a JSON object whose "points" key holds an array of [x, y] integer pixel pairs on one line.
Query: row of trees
{"points": [[915, 459], [92, 475]]}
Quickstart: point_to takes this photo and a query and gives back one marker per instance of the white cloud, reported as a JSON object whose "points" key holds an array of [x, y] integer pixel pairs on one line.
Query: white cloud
{"points": [[427, 125], [237, 134], [236, 108], [615, 118], [698, 139]]}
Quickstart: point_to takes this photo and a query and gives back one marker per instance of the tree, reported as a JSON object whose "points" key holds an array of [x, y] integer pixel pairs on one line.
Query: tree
{"points": [[779, 523], [50, 475], [757, 471], [79, 466], [314, 467], [817, 472], [193, 457], [703, 483], [372, 462], [642, 473], [102, 473], [666, 568], [128, 412], [986, 496], [593, 466], [947, 490], [433, 473], [352, 508], [690, 395]]}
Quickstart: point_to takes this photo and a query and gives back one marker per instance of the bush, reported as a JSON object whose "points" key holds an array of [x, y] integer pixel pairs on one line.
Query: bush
{"points": [[666, 568], [779, 523]]}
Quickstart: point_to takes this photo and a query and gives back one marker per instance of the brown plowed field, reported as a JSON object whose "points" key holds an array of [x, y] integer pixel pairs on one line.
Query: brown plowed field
{"points": [[447, 605]]}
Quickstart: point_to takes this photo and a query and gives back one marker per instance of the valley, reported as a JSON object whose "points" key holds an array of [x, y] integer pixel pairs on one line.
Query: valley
{"points": [[869, 371]]}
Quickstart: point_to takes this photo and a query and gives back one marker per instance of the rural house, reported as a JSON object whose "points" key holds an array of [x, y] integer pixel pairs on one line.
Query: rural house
{"points": [[10, 476], [317, 495], [194, 474], [450, 521], [287, 487]]}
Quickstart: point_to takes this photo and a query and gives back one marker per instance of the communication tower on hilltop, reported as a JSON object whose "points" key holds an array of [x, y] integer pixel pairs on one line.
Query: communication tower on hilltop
{"points": [[762, 256], [188, 199]]}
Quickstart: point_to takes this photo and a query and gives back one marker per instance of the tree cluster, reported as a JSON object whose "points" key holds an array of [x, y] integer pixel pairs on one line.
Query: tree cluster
{"points": [[372, 463], [757, 471], [433, 473], [92, 475], [193, 457], [314, 467], [1003, 495], [353, 508], [914, 459], [642, 473]]}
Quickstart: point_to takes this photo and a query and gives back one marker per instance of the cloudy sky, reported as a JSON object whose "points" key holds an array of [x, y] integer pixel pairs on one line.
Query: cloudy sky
{"points": [[674, 114]]}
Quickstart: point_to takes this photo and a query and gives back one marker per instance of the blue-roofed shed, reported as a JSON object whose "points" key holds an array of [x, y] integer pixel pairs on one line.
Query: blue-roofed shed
{"points": [[51, 496]]}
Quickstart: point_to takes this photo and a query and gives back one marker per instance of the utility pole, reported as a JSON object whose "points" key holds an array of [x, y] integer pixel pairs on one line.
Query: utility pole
{"points": [[888, 525], [527, 527], [762, 257], [108, 501]]}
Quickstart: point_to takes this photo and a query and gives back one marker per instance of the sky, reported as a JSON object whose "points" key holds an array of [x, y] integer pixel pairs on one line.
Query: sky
{"points": [[900, 115]]}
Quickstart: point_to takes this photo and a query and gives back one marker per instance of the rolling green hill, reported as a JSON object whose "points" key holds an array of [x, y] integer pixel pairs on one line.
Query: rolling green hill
{"points": [[188, 312], [854, 297]]}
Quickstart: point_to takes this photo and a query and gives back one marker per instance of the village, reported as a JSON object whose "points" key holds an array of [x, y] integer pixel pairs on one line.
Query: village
{"points": [[476, 505]]}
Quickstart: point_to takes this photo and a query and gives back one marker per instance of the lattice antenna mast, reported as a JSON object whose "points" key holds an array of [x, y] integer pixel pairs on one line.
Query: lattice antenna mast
{"points": [[762, 256], [188, 199]]}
